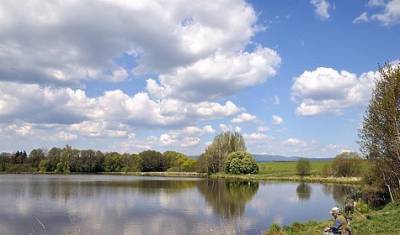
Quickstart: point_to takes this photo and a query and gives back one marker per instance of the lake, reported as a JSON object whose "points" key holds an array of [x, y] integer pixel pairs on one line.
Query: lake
{"points": [[102, 204]]}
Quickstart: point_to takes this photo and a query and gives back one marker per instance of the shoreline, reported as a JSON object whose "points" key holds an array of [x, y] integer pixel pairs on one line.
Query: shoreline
{"points": [[256, 177]]}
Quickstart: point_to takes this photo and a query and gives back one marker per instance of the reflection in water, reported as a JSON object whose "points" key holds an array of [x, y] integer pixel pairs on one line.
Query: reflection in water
{"points": [[96, 204], [303, 191], [228, 198], [339, 192]]}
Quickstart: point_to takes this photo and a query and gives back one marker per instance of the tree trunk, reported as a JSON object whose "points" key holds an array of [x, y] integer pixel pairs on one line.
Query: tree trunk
{"points": [[390, 192]]}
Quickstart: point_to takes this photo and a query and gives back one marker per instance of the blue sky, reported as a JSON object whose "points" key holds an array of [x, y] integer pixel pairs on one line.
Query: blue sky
{"points": [[294, 77]]}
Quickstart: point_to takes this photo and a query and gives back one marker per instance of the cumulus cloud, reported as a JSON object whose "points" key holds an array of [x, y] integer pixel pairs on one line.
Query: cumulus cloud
{"points": [[256, 137], [217, 76], [326, 90], [32, 103], [83, 39], [390, 13], [361, 18], [243, 117], [296, 142], [321, 8], [277, 120]]}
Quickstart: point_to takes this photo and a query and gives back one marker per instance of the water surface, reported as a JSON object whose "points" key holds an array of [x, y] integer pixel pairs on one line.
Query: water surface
{"points": [[99, 204]]}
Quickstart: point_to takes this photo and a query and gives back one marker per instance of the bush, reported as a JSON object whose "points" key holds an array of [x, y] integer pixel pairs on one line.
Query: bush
{"points": [[347, 164], [274, 229], [240, 163], [303, 167]]}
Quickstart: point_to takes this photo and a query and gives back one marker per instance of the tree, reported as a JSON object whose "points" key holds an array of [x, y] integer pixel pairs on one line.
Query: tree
{"points": [[44, 166], [347, 164], [303, 167], [152, 161], [240, 163], [380, 133], [223, 144], [35, 157], [113, 162]]}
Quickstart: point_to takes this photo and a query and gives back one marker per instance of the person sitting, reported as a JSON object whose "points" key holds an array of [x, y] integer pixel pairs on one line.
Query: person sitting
{"points": [[340, 225]]}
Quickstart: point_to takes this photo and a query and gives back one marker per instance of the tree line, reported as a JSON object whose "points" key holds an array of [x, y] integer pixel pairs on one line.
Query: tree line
{"points": [[227, 153], [68, 160]]}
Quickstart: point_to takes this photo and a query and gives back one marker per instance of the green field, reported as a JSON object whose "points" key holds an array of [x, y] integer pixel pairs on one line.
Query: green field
{"points": [[287, 169]]}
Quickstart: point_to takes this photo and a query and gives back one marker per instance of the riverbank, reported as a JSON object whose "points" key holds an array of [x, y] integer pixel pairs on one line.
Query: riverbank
{"points": [[258, 177], [294, 178], [365, 221]]}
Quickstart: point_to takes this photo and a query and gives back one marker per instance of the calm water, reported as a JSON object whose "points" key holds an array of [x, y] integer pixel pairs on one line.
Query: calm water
{"points": [[91, 204]]}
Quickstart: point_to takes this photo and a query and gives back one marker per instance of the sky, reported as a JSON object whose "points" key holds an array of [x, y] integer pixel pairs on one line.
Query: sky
{"points": [[294, 77]]}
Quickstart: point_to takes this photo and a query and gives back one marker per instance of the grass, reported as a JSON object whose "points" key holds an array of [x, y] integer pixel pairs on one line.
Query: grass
{"points": [[285, 169], [384, 221]]}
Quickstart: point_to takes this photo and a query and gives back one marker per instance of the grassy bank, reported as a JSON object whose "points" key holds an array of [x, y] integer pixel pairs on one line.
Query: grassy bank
{"points": [[365, 221], [294, 178]]}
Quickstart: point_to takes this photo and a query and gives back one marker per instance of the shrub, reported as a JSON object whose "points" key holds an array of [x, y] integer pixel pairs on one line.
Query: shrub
{"points": [[274, 229], [303, 166], [240, 163], [347, 164]]}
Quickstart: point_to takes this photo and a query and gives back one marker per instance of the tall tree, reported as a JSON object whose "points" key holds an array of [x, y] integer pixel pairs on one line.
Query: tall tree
{"points": [[223, 144], [380, 133]]}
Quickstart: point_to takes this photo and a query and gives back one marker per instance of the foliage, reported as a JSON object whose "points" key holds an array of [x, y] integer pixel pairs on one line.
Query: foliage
{"points": [[113, 162], [66, 160], [380, 133], [303, 167], [36, 156], [153, 161], [179, 162], [213, 159], [326, 170], [240, 163], [347, 164], [274, 229]]}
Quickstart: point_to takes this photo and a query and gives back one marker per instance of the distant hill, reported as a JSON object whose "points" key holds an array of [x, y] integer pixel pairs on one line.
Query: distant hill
{"points": [[276, 158], [280, 158]]}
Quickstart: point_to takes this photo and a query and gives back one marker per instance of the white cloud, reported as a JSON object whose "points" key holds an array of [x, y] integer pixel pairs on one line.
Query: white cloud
{"points": [[217, 76], [326, 90], [296, 142], [277, 120], [321, 8], [361, 18], [375, 3], [35, 104], [243, 117], [64, 136], [256, 137], [83, 38], [262, 128], [390, 14]]}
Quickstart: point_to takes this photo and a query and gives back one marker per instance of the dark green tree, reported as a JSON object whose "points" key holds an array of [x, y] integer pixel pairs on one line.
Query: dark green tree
{"points": [[153, 161]]}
